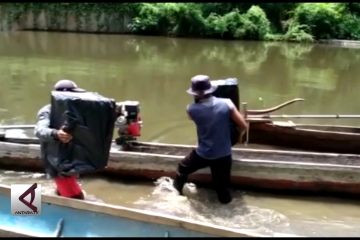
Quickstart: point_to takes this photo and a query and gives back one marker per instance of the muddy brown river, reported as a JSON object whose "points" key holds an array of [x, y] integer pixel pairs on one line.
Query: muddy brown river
{"points": [[156, 72]]}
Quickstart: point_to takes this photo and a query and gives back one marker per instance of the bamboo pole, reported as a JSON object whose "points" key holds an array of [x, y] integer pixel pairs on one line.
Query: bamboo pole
{"points": [[336, 116]]}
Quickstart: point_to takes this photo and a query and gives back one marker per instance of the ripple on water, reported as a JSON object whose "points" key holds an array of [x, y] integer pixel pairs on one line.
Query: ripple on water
{"points": [[201, 205]]}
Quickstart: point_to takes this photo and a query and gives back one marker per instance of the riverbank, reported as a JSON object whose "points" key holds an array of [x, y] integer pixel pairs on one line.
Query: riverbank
{"points": [[292, 22]]}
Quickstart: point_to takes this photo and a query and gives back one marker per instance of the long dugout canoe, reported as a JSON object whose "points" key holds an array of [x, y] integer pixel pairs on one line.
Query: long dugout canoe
{"points": [[64, 217], [319, 138], [266, 169], [306, 137]]}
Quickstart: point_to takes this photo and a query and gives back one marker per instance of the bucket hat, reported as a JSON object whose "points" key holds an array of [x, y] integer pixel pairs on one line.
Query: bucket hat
{"points": [[201, 85]]}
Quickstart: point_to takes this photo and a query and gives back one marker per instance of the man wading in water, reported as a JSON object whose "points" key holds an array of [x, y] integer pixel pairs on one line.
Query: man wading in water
{"points": [[66, 186], [212, 119]]}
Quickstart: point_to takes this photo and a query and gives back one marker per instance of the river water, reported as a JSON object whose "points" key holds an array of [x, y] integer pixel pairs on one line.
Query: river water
{"points": [[156, 72]]}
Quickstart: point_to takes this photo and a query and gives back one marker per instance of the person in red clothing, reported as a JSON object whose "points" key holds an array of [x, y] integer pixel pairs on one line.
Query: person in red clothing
{"points": [[66, 186]]}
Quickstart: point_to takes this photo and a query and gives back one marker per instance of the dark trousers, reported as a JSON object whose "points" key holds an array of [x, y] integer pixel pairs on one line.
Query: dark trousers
{"points": [[220, 171]]}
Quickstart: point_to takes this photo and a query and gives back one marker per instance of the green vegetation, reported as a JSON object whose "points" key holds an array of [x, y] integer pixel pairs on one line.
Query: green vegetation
{"points": [[299, 22]]}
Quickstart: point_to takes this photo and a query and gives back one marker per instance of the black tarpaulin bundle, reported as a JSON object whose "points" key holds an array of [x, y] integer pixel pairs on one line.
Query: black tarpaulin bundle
{"points": [[228, 88], [89, 118]]}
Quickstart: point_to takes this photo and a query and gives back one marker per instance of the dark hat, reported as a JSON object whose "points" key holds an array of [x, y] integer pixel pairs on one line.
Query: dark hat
{"points": [[67, 85], [201, 85]]}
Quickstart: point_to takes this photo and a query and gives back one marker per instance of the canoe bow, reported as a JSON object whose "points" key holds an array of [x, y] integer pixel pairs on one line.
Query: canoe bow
{"points": [[273, 109]]}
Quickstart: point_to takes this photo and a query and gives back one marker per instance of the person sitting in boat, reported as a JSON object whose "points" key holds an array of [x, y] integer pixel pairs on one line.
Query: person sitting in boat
{"points": [[65, 186], [212, 119]]}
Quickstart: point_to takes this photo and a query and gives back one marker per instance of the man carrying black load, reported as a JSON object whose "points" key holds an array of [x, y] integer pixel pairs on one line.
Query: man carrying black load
{"points": [[212, 119], [66, 186]]}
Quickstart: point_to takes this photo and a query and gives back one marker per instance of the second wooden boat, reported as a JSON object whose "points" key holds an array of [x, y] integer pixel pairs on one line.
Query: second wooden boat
{"points": [[319, 138], [63, 217], [266, 169]]}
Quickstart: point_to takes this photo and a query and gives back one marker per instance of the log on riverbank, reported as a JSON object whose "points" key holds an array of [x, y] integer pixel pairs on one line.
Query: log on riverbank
{"points": [[341, 43]]}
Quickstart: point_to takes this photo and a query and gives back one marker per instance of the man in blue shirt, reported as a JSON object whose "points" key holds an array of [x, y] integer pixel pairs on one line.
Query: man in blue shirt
{"points": [[211, 116]]}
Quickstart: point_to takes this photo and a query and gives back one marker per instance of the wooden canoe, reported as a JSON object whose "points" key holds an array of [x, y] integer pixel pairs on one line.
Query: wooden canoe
{"points": [[266, 169], [319, 138], [63, 217], [306, 137]]}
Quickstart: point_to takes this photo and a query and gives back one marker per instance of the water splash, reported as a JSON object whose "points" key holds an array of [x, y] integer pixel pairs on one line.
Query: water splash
{"points": [[202, 205]]}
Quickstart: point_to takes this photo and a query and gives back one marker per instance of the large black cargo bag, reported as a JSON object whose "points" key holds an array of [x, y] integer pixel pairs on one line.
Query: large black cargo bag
{"points": [[89, 118], [228, 88]]}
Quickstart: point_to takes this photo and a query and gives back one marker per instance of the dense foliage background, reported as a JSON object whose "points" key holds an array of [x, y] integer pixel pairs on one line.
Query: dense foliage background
{"points": [[301, 22]]}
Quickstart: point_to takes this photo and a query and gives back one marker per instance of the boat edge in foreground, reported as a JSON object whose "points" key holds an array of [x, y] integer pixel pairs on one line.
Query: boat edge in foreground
{"points": [[138, 215]]}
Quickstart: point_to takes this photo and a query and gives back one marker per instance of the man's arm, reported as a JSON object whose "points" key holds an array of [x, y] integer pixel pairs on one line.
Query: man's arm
{"points": [[42, 128], [239, 120], [237, 117]]}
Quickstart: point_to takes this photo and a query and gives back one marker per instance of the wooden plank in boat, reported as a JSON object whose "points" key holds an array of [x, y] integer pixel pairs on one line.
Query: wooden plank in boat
{"points": [[284, 124], [258, 120]]}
